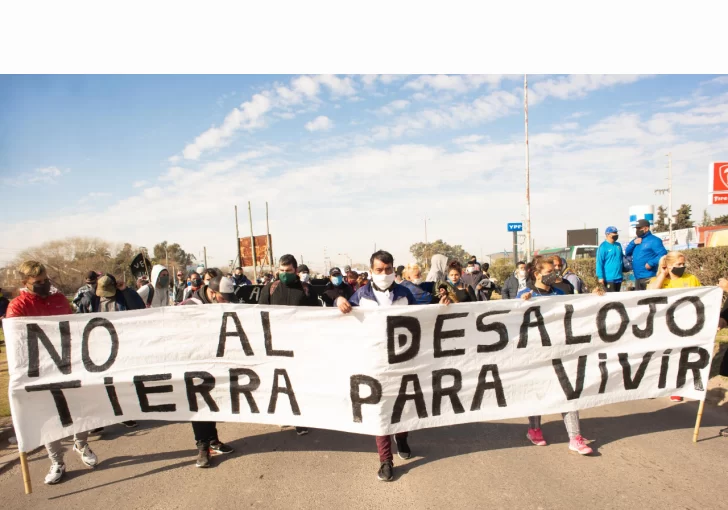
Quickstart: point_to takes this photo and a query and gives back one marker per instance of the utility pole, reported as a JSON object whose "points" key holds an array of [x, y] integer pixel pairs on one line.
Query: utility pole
{"points": [[237, 236], [528, 172], [270, 241], [205, 250], [668, 190], [252, 242]]}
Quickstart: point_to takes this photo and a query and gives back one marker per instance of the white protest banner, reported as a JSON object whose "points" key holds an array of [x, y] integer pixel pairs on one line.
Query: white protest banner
{"points": [[372, 371]]}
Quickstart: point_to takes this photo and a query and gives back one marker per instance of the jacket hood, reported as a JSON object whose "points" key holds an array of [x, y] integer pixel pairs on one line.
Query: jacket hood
{"points": [[155, 274], [438, 269]]}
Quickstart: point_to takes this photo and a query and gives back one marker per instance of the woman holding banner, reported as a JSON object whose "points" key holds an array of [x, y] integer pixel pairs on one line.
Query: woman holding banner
{"points": [[671, 274], [541, 276]]}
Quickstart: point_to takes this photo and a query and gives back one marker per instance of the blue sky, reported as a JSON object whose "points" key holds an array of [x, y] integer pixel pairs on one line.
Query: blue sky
{"points": [[346, 162]]}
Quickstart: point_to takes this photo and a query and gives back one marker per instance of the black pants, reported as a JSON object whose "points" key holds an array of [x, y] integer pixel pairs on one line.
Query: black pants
{"points": [[205, 433], [641, 283], [613, 286]]}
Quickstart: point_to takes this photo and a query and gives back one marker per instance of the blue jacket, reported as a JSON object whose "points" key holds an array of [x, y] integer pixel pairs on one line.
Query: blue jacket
{"points": [[421, 297], [649, 251], [609, 262], [365, 297]]}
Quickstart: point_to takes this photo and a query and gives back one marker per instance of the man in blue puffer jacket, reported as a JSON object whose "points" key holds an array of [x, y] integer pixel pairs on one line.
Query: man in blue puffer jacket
{"points": [[646, 251]]}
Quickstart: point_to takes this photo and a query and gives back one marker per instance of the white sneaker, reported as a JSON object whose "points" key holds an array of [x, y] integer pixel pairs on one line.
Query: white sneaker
{"points": [[87, 456], [55, 474]]}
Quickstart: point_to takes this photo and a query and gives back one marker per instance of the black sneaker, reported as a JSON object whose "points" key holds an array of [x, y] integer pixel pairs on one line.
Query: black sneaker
{"points": [[301, 431], [217, 448], [203, 458], [403, 449], [131, 424], [386, 472]]}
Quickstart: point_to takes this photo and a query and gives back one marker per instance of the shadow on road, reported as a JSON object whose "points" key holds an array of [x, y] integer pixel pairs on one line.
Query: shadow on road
{"points": [[428, 445]]}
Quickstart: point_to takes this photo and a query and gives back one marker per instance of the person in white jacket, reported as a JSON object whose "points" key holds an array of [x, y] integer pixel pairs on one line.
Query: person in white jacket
{"points": [[155, 294]]}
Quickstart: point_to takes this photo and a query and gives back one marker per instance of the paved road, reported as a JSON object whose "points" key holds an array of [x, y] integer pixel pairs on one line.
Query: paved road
{"points": [[644, 459]]}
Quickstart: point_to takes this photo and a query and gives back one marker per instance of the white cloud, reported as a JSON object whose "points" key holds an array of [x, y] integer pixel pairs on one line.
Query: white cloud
{"points": [[566, 126], [720, 80], [389, 109], [139, 184], [94, 196], [338, 86], [454, 83], [249, 116], [576, 85], [320, 123], [469, 139], [47, 175]]}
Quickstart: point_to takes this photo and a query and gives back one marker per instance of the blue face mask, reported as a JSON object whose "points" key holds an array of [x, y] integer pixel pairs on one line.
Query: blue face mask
{"points": [[337, 280]]}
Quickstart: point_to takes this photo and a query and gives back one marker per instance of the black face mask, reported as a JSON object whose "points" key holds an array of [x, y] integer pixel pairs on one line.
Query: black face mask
{"points": [[642, 233], [42, 289], [678, 271], [549, 279], [614, 238]]}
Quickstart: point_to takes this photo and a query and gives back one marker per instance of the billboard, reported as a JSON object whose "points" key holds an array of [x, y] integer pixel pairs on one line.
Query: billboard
{"points": [[588, 236], [263, 247], [718, 175]]}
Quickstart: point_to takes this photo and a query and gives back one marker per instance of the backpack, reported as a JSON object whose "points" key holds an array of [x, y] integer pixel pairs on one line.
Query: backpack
{"points": [[150, 296]]}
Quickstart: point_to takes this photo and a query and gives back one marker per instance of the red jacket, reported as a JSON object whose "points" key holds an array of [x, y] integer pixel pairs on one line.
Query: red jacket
{"points": [[28, 304]]}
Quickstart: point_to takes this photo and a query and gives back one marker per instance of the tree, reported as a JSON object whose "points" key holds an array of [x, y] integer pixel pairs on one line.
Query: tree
{"points": [[660, 224], [707, 220], [173, 255], [423, 252], [721, 220], [682, 217]]}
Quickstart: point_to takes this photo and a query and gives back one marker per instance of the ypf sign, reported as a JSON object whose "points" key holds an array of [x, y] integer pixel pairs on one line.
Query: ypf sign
{"points": [[719, 182]]}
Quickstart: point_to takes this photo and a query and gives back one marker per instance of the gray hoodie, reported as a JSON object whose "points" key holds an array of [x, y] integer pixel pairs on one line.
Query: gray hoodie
{"points": [[438, 270], [161, 294]]}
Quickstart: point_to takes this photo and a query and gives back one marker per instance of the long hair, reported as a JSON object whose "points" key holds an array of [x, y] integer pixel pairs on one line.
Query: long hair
{"points": [[671, 258], [536, 265]]}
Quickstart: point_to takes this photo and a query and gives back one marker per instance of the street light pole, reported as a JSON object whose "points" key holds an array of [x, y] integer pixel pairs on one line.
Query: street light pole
{"points": [[668, 190], [425, 251], [528, 172]]}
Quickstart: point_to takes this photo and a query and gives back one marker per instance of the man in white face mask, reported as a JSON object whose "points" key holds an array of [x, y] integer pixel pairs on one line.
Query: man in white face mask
{"points": [[304, 273], [383, 291], [515, 282]]}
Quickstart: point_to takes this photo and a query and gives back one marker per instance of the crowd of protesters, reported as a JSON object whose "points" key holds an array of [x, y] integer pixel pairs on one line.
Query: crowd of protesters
{"points": [[383, 285]]}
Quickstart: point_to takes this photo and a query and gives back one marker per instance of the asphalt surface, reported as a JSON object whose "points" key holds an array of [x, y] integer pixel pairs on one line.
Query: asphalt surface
{"points": [[644, 458]]}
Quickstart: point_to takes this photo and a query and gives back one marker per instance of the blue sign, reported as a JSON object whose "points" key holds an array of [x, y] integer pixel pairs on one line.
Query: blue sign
{"points": [[515, 227]]}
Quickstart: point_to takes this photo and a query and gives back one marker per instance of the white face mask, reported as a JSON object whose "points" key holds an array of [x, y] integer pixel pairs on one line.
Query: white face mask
{"points": [[469, 269], [383, 281], [305, 277], [522, 273]]}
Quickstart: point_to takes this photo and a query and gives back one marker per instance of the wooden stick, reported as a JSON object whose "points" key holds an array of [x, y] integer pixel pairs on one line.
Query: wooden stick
{"points": [[26, 472], [698, 420]]}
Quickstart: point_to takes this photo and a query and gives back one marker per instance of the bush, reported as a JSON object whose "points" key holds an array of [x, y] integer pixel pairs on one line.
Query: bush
{"points": [[501, 269], [708, 264]]}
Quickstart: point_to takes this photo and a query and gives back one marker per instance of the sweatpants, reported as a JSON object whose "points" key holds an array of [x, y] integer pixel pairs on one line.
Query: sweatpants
{"points": [[613, 286], [571, 420], [384, 446], [205, 433], [55, 449]]}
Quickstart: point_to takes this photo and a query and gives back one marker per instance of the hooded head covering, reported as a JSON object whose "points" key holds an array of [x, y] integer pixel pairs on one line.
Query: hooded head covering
{"points": [[438, 270], [161, 296], [158, 268]]}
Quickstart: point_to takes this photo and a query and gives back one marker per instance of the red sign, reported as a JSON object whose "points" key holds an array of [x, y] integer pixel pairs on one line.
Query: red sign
{"points": [[720, 198], [263, 245], [720, 179]]}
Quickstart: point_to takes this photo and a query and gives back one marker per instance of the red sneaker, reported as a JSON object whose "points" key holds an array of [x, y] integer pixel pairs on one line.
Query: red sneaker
{"points": [[579, 446], [536, 437], [675, 398]]}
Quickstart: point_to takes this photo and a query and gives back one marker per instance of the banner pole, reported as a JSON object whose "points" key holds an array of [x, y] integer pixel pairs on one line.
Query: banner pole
{"points": [[26, 472], [252, 242], [698, 420]]}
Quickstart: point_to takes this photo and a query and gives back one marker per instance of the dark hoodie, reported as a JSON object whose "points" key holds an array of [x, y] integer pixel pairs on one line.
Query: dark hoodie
{"points": [[288, 295], [198, 297], [332, 293]]}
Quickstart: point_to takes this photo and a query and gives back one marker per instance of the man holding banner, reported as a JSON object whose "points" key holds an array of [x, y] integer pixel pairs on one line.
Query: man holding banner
{"points": [[382, 291], [219, 290], [35, 300]]}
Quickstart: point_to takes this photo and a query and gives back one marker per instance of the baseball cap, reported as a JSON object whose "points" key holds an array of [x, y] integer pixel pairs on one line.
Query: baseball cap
{"points": [[224, 286], [106, 286], [335, 271], [303, 268], [642, 223], [611, 230]]}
